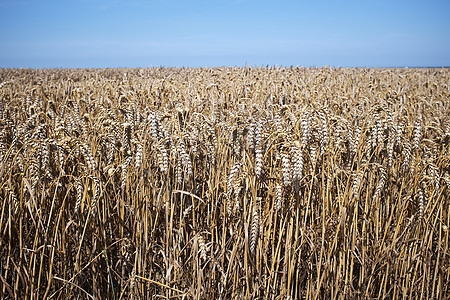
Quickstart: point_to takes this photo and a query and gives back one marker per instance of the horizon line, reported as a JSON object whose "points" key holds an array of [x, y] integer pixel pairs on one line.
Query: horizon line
{"points": [[228, 66]]}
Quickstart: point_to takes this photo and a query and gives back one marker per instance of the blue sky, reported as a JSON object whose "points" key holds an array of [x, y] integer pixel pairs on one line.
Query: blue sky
{"points": [[134, 33]]}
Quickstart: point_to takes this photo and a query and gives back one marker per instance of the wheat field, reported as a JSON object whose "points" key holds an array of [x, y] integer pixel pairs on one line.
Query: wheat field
{"points": [[225, 183]]}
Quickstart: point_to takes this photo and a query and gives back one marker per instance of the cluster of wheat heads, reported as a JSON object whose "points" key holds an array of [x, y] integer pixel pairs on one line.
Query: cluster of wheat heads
{"points": [[225, 183]]}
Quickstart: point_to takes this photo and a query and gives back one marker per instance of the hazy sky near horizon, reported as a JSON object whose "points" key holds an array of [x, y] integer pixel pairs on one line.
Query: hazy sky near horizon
{"points": [[135, 33]]}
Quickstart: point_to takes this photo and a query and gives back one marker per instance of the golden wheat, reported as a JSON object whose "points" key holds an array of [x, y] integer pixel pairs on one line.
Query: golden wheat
{"points": [[225, 183]]}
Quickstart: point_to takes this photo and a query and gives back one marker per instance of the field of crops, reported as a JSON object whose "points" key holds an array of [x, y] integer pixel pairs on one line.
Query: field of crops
{"points": [[225, 183]]}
